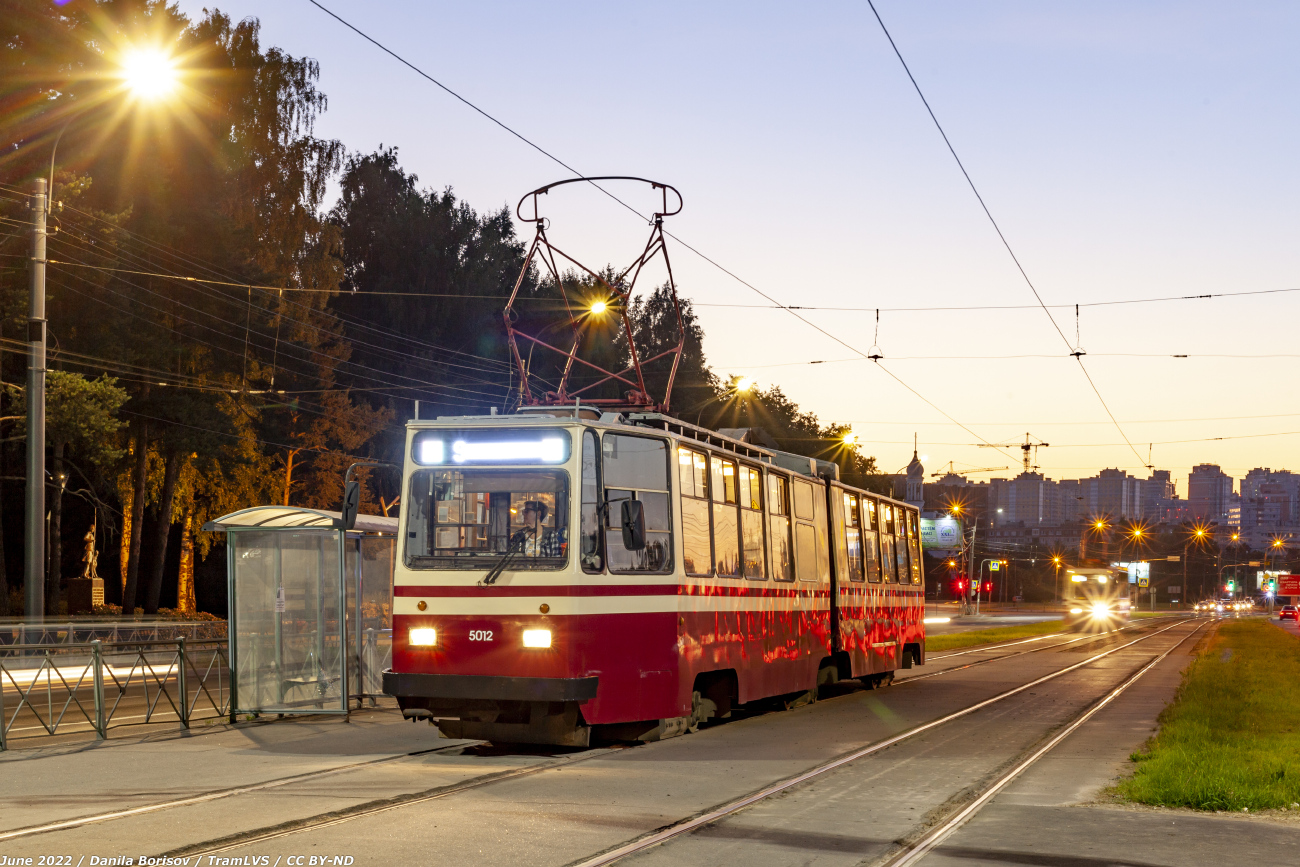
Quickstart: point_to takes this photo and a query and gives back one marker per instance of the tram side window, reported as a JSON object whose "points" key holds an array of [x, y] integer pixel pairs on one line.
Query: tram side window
{"points": [[806, 541], [636, 468], [853, 537], [590, 553], [778, 504], [871, 540], [693, 480], [751, 523], [904, 552], [888, 558], [726, 521], [821, 523], [803, 501], [901, 546], [914, 544]]}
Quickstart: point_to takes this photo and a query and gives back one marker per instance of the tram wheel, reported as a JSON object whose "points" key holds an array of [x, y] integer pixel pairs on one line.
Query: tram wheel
{"points": [[702, 710]]}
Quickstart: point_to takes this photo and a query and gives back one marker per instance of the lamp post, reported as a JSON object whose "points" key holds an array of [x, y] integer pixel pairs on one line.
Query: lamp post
{"points": [[148, 75]]}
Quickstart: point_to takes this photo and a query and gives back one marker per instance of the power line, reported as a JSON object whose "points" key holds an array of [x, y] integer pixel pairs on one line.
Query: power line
{"points": [[1074, 351], [236, 283], [941, 309], [323, 355], [239, 303], [576, 173], [1188, 355]]}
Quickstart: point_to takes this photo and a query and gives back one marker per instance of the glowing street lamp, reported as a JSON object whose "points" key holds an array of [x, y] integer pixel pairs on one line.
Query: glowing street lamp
{"points": [[149, 75]]}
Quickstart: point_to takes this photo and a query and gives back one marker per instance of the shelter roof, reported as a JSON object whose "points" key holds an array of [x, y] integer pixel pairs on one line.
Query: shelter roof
{"points": [[293, 518]]}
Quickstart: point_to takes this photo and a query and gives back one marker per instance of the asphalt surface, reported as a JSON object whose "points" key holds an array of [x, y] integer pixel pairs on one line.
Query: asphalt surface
{"points": [[562, 807]]}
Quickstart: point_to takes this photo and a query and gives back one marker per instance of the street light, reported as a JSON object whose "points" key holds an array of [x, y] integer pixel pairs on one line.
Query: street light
{"points": [[148, 74]]}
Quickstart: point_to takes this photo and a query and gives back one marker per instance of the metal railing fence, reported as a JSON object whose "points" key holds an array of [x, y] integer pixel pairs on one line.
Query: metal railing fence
{"points": [[15, 632], [97, 685]]}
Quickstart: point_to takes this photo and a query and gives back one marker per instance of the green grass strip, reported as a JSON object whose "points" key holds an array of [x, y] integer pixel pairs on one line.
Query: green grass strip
{"points": [[977, 637], [1231, 738]]}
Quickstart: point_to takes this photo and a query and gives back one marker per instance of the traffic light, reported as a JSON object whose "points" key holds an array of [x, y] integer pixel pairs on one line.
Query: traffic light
{"points": [[1227, 588], [988, 586]]}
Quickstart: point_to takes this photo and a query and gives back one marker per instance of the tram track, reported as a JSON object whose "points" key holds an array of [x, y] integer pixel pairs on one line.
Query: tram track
{"points": [[921, 845], [213, 795], [1094, 636], [321, 821], [443, 791]]}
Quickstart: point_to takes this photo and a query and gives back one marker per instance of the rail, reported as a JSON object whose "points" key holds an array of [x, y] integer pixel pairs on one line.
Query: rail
{"points": [[48, 688]]}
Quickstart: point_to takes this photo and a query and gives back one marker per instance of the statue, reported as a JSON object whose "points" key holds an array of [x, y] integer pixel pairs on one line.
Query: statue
{"points": [[87, 592], [90, 559]]}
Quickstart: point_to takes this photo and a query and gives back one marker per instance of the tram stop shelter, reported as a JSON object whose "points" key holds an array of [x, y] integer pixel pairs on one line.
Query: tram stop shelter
{"points": [[310, 604]]}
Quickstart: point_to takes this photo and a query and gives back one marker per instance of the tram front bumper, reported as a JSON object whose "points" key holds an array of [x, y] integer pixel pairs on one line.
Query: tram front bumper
{"points": [[489, 687]]}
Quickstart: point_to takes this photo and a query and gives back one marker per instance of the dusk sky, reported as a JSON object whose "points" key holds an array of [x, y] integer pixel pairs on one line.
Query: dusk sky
{"points": [[1128, 151]]}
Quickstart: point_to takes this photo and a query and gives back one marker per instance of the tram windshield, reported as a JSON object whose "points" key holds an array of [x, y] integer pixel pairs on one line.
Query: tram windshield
{"points": [[1097, 587], [469, 518]]}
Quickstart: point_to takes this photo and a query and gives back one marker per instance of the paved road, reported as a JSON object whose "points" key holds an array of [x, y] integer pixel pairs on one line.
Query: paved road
{"points": [[558, 808]]}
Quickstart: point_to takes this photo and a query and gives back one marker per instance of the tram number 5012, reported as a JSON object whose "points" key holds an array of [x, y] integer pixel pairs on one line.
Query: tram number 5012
{"points": [[480, 635]]}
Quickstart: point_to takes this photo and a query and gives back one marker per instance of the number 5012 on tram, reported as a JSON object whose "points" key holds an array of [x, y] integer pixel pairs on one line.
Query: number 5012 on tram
{"points": [[564, 573]]}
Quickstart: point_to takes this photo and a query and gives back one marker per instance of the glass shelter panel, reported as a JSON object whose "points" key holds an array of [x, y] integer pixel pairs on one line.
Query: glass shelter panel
{"points": [[289, 638], [374, 638]]}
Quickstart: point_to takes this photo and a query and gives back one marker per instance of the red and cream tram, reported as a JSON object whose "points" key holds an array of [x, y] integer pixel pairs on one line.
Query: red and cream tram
{"points": [[565, 571]]}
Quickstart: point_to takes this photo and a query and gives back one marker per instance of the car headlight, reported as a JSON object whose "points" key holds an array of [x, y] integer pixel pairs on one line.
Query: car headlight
{"points": [[422, 636]]}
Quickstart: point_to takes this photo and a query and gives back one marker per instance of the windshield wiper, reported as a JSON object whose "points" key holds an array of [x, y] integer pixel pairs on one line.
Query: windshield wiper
{"points": [[512, 551]]}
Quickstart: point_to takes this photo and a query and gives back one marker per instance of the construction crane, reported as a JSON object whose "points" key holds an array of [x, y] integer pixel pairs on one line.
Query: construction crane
{"points": [[1024, 449], [953, 471]]}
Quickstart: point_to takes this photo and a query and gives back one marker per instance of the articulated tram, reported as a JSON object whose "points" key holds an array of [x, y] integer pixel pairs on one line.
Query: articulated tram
{"points": [[566, 573], [1099, 598]]}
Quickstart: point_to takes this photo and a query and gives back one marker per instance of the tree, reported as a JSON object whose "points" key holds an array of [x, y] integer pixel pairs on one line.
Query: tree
{"points": [[81, 425], [655, 330], [425, 281]]}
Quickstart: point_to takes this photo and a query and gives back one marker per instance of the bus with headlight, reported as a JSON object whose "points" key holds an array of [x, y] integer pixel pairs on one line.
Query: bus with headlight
{"points": [[568, 575], [1097, 599]]}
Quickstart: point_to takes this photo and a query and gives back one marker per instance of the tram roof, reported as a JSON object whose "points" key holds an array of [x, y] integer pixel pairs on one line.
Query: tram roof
{"points": [[296, 518], [734, 440]]}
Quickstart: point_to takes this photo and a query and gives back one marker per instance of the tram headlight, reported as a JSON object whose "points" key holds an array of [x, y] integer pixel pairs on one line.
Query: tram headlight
{"points": [[1076, 610], [537, 638], [423, 636], [1100, 609]]}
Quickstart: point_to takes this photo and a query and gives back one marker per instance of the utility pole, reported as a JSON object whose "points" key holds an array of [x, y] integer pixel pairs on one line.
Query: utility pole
{"points": [[34, 553], [970, 563]]}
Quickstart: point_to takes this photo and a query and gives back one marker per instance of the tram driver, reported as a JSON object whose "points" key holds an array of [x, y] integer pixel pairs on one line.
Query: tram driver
{"points": [[534, 539]]}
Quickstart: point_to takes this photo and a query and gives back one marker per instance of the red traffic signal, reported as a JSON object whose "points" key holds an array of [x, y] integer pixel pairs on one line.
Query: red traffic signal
{"points": [[988, 586]]}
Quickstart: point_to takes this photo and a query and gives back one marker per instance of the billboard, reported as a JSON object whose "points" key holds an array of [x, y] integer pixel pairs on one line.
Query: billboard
{"points": [[940, 533], [1138, 573], [1288, 585]]}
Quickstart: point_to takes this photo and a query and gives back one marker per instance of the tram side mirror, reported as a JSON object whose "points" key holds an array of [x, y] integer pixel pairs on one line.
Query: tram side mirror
{"points": [[351, 502], [633, 525]]}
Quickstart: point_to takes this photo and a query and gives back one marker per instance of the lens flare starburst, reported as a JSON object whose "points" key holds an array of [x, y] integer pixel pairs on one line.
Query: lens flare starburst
{"points": [[149, 73]]}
